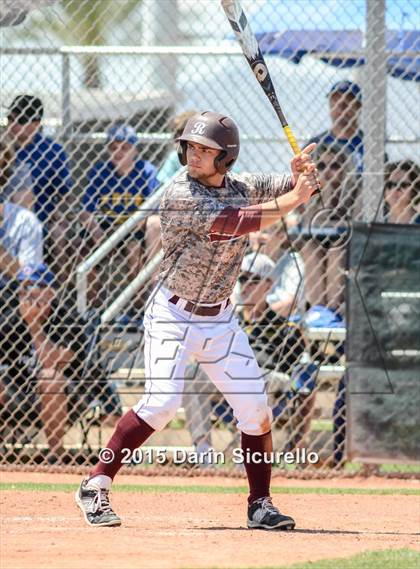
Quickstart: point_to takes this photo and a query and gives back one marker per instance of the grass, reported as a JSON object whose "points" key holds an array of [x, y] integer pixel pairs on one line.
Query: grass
{"points": [[386, 468], [387, 559], [321, 425], [406, 468], [195, 489]]}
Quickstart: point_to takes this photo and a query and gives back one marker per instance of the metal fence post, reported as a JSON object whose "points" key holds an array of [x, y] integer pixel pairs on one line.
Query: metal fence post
{"points": [[66, 99], [374, 108]]}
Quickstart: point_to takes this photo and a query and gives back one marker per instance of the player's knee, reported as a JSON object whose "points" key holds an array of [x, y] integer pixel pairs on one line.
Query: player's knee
{"points": [[159, 414], [256, 418], [170, 408]]}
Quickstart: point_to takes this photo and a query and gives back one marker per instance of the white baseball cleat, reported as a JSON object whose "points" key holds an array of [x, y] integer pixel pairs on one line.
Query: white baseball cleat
{"points": [[262, 514], [94, 503]]}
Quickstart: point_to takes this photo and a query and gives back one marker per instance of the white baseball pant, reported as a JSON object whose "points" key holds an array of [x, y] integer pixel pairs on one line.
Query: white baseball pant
{"points": [[173, 336]]}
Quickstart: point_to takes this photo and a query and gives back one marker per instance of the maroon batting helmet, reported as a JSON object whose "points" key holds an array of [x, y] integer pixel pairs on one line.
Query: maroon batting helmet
{"points": [[215, 131]]}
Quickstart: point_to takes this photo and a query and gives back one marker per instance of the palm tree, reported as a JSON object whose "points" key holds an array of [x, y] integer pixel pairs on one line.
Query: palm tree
{"points": [[86, 22]]}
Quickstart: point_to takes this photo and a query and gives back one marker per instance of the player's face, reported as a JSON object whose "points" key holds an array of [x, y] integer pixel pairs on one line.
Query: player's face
{"points": [[200, 161]]}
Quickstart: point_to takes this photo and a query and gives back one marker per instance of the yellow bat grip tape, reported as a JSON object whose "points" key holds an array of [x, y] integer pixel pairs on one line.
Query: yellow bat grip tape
{"points": [[295, 147], [291, 139]]}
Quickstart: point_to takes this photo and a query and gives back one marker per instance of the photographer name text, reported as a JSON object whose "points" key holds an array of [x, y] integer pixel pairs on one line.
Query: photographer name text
{"points": [[182, 456]]}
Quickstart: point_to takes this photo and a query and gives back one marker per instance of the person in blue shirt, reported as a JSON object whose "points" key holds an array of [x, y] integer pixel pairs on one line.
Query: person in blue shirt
{"points": [[46, 159], [345, 100], [117, 187], [120, 184], [46, 163]]}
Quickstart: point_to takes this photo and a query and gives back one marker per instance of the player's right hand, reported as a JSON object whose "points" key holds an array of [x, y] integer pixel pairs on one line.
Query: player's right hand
{"points": [[307, 183]]}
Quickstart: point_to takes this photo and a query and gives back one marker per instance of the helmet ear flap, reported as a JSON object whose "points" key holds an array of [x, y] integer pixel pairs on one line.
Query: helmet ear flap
{"points": [[182, 152], [220, 162]]}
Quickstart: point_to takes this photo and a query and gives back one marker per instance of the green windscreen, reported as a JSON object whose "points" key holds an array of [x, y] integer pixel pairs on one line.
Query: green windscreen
{"points": [[383, 343]]}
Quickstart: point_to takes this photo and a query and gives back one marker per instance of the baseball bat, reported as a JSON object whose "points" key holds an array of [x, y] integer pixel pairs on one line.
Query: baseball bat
{"points": [[253, 55]]}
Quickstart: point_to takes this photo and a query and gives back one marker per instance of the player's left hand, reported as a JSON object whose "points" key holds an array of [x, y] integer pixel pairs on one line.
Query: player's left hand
{"points": [[304, 162], [301, 162]]}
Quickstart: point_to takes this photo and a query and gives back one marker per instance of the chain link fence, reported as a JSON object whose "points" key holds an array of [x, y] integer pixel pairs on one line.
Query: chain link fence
{"points": [[93, 94]]}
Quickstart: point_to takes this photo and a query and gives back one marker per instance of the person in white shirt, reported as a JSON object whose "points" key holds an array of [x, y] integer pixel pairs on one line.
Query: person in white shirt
{"points": [[21, 236], [287, 295]]}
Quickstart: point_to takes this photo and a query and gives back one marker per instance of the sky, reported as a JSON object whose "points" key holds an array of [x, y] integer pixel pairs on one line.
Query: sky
{"points": [[222, 83]]}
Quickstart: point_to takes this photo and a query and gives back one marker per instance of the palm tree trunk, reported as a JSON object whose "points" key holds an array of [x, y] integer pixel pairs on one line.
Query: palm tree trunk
{"points": [[91, 71]]}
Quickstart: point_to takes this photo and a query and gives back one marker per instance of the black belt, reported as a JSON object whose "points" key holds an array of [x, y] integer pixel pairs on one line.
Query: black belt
{"points": [[200, 309]]}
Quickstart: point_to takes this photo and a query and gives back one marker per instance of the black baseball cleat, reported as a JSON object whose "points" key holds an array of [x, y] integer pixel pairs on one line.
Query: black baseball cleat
{"points": [[262, 514], [94, 503]]}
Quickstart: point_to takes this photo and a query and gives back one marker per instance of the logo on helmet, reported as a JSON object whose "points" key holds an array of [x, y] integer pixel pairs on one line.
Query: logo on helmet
{"points": [[198, 128]]}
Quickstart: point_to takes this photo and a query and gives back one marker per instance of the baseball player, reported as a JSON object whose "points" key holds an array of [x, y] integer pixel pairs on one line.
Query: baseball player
{"points": [[206, 215]]}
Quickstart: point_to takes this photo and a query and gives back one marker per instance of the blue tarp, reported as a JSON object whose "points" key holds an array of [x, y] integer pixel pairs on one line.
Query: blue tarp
{"points": [[344, 47], [334, 29]]}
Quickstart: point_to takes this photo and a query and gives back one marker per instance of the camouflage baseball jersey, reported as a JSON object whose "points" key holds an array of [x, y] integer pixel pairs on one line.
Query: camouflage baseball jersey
{"points": [[197, 266]]}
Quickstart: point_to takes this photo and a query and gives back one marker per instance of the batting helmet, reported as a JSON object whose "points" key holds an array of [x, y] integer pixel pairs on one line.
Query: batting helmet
{"points": [[215, 131]]}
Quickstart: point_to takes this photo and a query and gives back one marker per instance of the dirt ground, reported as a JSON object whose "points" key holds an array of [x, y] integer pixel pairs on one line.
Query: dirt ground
{"points": [[176, 530]]}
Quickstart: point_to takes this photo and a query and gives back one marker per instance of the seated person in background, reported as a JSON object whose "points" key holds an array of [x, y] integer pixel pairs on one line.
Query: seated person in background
{"points": [[116, 189], [20, 243], [279, 341], [60, 359], [324, 227], [278, 344], [340, 197], [287, 295], [20, 239], [345, 101], [402, 192], [20, 230], [48, 167], [18, 187]]}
